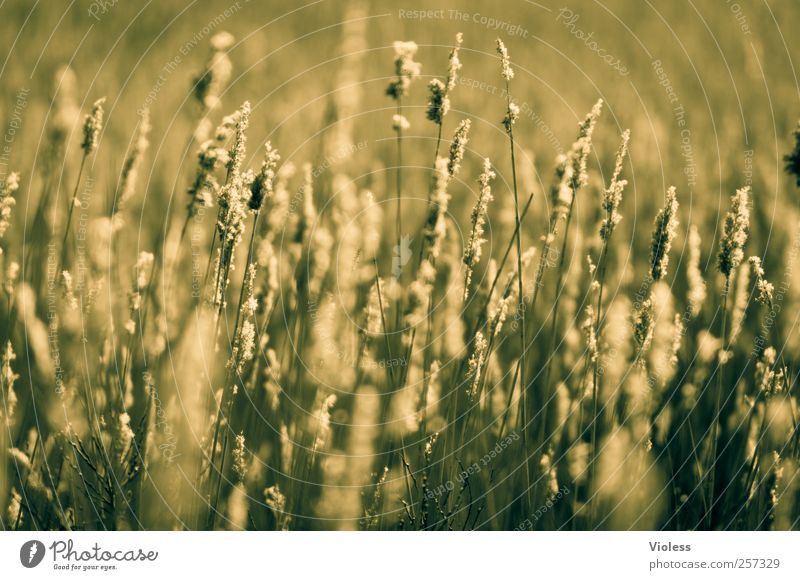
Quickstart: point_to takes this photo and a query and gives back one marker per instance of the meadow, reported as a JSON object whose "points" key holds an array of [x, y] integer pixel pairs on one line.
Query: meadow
{"points": [[373, 265]]}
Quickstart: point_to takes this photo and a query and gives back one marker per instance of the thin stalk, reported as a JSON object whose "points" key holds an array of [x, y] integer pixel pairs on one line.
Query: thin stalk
{"points": [[542, 439], [428, 321], [71, 210], [213, 507], [752, 469], [228, 377], [399, 196], [717, 405], [389, 368], [184, 228], [601, 270], [459, 369], [25, 483], [436, 155], [593, 446], [522, 328]]}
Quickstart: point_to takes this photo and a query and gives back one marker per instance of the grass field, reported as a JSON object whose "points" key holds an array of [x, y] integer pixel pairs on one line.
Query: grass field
{"points": [[377, 265]]}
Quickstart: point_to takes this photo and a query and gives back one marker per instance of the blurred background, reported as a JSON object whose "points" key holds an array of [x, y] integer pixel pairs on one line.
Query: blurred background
{"points": [[729, 65], [709, 90]]}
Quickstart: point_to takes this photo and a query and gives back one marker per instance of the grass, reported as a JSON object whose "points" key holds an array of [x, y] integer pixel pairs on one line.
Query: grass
{"points": [[266, 335]]}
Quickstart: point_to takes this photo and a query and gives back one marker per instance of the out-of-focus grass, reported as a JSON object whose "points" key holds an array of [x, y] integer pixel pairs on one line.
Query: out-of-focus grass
{"points": [[333, 426]]}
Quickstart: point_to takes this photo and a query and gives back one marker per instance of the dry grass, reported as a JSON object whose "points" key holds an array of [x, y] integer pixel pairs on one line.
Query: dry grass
{"points": [[365, 341]]}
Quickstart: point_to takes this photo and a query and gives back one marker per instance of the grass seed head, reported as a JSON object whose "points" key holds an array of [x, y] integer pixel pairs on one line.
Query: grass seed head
{"points": [[512, 114], [92, 125], [69, 290], [438, 102], [666, 227], [324, 421], [264, 184], [643, 325], [696, 294], [436, 224], [66, 111], [400, 123], [11, 278], [612, 196], [792, 160], [210, 83], [505, 61], [9, 377], [238, 150], [475, 365], [454, 63], [374, 315], [7, 202], [579, 153], [458, 147], [734, 233], [588, 327], [275, 500], [764, 287], [472, 253], [406, 69], [765, 371], [130, 169], [240, 457], [741, 300], [571, 168]]}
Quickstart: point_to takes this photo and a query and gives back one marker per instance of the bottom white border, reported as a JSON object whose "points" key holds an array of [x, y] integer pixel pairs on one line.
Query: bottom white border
{"points": [[402, 555]]}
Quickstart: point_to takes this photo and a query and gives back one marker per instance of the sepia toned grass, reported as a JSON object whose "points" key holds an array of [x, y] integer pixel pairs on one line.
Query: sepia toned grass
{"points": [[295, 349]]}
